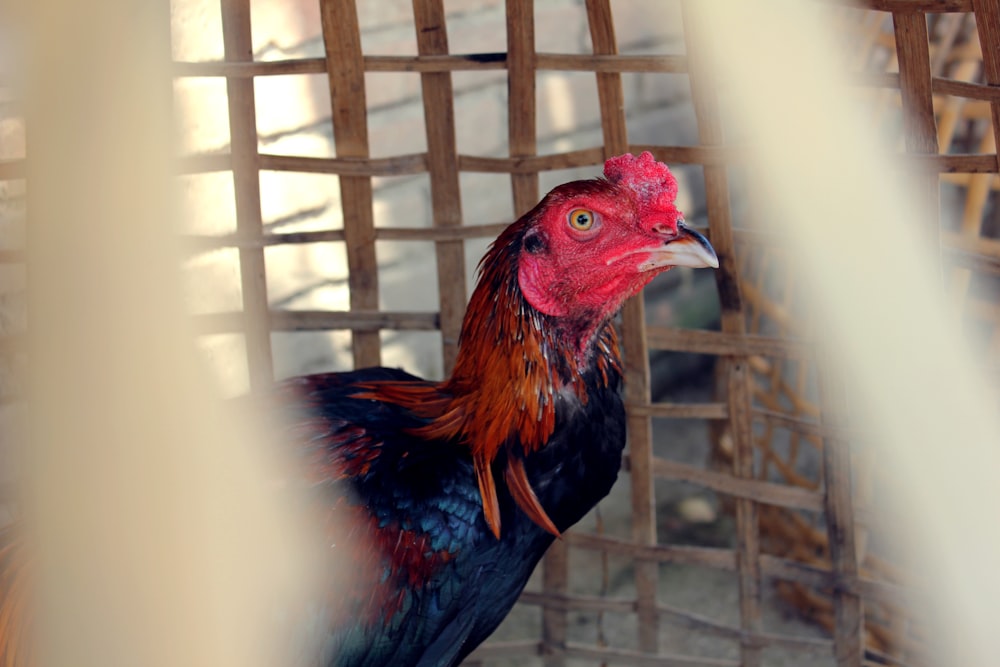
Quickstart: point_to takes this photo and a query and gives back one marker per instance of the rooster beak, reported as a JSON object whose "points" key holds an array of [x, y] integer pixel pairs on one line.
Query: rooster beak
{"points": [[688, 248]]}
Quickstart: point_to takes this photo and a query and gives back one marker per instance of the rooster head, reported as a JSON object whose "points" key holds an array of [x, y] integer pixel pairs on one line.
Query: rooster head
{"points": [[590, 245], [574, 258]]}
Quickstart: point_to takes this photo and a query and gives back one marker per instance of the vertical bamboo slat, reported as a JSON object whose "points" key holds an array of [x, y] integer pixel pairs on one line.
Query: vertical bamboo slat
{"points": [[610, 93], [839, 506], [442, 158], [521, 123], [238, 47], [988, 27], [918, 107], [733, 321], [521, 98], [345, 71], [555, 621], [615, 132]]}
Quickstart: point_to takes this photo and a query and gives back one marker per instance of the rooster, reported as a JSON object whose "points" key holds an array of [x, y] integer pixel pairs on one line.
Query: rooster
{"points": [[460, 486]]}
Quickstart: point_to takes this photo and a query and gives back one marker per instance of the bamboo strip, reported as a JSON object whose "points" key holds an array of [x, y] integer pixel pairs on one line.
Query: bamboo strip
{"points": [[770, 493], [988, 27], [849, 623], [610, 93], [693, 621], [199, 243], [940, 6], [521, 120], [206, 242], [248, 70], [238, 46], [442, 162], [475, 231], [522, 143], [342, 39], [870, 589], [772, 567], [575, 602], [721, 559], [964, 163], [939, 85], [737, 379], [803, 425], [703, 155], [521, 649], [595, 156], [968, 89], [322, 320], [436, 63], [402, 165], [636, 659], [967, 163], [604, 588], [555, 618], [700, 341], [915, 80], [530, 164], [611, 98], [682, 410], [919, 126], [611, 63], [970, 259], [873, 656], [505, 649]]}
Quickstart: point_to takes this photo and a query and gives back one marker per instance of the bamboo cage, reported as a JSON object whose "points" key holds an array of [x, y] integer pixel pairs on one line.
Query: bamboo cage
{"points": [[786, 388], [777, 457]]}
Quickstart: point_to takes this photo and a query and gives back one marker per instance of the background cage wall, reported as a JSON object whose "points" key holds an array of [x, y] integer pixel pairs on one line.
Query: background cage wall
{"points": [[778, 459]]}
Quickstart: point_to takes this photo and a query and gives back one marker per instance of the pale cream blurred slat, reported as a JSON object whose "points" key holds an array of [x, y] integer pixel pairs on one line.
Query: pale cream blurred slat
{"points": [[157, 533]]}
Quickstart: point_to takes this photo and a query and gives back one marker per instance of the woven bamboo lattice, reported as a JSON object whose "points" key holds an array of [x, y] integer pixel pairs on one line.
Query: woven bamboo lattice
{"points": [[785, 388], [799, 523], [778, 520]]}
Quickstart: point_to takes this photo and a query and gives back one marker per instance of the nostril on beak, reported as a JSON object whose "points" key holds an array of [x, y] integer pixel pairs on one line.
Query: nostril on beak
{"points": [[664, 229]]}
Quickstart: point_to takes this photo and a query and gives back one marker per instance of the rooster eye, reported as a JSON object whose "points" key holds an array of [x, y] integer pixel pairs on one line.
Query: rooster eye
{"points": [[581, 219]]}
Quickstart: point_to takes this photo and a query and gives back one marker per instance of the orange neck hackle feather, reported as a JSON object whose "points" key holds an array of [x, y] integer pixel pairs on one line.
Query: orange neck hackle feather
{"points": [[16, 581], [511, 366]]}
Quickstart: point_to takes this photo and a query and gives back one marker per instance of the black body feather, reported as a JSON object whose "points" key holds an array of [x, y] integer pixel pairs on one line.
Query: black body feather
{"points": [[423, 493]]}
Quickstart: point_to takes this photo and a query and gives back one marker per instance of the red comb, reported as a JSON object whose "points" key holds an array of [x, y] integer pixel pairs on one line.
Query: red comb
{"points": [[649, 179]]}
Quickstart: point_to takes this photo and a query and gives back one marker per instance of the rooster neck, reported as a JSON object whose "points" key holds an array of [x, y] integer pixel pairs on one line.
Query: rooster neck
{"points": [[517, 370], [516, 364]]}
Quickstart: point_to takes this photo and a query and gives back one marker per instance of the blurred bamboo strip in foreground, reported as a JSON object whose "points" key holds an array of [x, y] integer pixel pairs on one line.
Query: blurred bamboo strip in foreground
{"points": [[152, 509]]}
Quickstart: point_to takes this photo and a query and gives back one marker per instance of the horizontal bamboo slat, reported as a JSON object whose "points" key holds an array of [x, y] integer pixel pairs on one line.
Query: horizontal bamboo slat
{"points": [[322, 320], [772, 567], [437, 63]]}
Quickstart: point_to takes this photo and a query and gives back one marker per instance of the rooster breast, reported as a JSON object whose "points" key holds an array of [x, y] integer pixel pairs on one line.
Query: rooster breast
{"points": [[438, 581]]}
